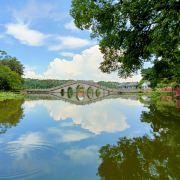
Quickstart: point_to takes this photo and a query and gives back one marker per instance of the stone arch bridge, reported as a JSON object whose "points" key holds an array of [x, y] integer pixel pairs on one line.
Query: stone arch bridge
{"points": [[77, 89]]}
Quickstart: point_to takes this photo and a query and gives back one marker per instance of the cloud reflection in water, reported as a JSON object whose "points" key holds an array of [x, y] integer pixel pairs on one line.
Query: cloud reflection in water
{"points": [[99, 117]]}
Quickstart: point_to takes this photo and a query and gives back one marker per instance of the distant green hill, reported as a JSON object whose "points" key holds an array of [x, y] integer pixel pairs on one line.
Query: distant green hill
{"points": [[109, 84], [42, 84]]}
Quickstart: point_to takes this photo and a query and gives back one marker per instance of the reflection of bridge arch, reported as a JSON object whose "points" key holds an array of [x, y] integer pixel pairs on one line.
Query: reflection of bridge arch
{"points": [[80, 92], [80, 88], [62, 92], [70, 92], [90, 92], [55, 96], [98, 92]]}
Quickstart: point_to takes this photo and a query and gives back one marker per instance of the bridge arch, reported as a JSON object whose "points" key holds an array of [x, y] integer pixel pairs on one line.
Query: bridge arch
{"points": [[70, 92], [98, 92], [62, 92], [80, 92], [90, 92]]}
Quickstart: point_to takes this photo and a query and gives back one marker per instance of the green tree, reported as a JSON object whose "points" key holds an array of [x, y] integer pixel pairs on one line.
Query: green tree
{"points": [[162, 72], [11, 62], [11, 71], [9, 80], [150, 75], [131, 32]]}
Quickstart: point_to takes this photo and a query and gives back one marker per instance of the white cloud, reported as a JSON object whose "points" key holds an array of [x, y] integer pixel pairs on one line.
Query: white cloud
{"points": [[25, 145], [30, 106], [30, 72], [32, 14], [34, 10], [71, 26], [28, 36], [66, 135], [25, 35], [69, 42], [84, 156], [87, 117], [84, 66]]}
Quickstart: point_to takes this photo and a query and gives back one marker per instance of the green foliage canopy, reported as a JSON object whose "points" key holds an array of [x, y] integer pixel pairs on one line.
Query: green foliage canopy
{"points": [[9, 80], [162, 72], [11, 71], [131, 32], [11, 62]]}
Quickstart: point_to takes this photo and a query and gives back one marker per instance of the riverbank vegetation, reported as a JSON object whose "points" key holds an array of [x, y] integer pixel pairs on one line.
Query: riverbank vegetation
{"points": [[155, 95], [10, 95], [11, 81], [166, 77]]}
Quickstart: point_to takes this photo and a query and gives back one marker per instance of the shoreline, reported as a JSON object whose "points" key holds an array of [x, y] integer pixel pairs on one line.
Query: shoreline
{"points": [[152, 94], [10, 95]]}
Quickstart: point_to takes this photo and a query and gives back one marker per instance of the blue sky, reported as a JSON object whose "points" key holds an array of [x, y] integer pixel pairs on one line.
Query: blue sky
{"points": [[42, 35]]}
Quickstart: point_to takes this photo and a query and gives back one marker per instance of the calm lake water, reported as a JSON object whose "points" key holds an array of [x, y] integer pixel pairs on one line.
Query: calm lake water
{"points": [[113, 138]]}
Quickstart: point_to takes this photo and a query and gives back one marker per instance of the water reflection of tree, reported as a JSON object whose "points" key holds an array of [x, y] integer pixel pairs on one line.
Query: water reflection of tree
{"points": [[143, 157], [11, 112], [162, 115]]}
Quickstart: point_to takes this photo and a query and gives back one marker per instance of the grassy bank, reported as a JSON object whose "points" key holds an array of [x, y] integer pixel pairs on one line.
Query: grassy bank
{"points": [[10, 95], [153, 94], [158, 94]]}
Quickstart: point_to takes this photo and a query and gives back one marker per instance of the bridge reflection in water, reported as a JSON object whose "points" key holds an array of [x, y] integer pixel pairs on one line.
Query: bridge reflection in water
{"points": [[76, 92], [76, 98]]}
